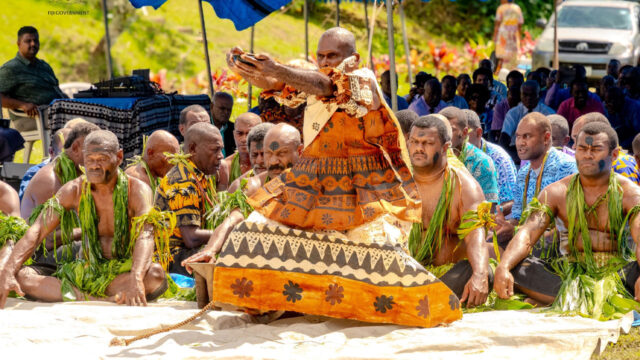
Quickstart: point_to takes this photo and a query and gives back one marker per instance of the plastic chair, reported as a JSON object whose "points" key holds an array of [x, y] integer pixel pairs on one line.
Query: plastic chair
{"points": [[32, 130]]}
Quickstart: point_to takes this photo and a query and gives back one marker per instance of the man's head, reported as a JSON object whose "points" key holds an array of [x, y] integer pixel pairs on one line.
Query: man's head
{"points": [[421, 79], [204, 142], [535, 76], [530, 94], [255, 142], [614, 100], [605, 83], [559, 130], [584, 120], [597, 148], [486, 64], [190, 115], [406, 118], [475, 127], [221, 108], [429, 139], [613, 68], [580, 93], [385, 82], [102, 156], [57, 144], [28, 42], [544, 75], [513, 96], [533, 136], [458, 123], [477, 97], [282, 148], [73, 122], [464, 81], [432, 92], [636, 148], [335, 45], [483, 76], [74, 142], [449, 85], [515, 78], [158, 143], [244, 123]]}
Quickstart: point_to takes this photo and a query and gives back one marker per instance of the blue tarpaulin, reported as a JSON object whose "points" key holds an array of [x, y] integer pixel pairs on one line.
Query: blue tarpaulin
{"points": [[243, 13]]}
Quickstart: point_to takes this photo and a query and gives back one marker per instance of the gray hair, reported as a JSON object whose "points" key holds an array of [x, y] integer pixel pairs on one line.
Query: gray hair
{"points": [[257, 133], [473, 120], [560, 123], [187, 110]]}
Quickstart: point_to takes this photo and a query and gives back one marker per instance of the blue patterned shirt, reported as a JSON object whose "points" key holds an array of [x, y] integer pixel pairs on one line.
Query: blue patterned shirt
{"points": [[457, 101], [505, 167], [557, 167], [481, 168], [28, 175], [626, 166]]}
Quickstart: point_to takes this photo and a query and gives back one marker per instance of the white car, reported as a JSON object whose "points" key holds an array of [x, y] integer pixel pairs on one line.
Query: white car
{"points": [[591, 33]]}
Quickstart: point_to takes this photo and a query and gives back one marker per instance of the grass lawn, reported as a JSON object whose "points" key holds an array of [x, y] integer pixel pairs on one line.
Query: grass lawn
{"points": [[627, 347]]}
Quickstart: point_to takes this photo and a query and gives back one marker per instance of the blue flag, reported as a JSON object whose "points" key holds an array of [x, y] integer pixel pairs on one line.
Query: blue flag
{"points": [[243, 13]]}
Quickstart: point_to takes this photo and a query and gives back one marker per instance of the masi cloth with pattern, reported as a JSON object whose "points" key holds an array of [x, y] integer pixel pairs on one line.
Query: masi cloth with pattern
{"points": [[361, 275], [352, 169]]}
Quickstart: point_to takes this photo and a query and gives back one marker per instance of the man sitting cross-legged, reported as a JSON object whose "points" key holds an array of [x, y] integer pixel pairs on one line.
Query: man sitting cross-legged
{"points": [[188, 191], [594, 204], [441, 187], [153, 165], [115, 260]]}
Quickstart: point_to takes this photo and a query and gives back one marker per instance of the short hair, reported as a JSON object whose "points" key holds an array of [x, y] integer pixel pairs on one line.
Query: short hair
{"points": [[560, 122], [449, 78], [59, 138], [595, 128], [579, 82], [257, 133], [434, 84], [591, 118], [197, 131], [187, 110], [434, 122], [222, 94], [515, 74], [27, 30], [543, 70], [531, 84], [79, 130], [614, 91], [635, 145], [608, 79], [482, 71], [346, 38], [452, 112], [480, 90], [473, 120], [406, 118], [539, 120], [105, 138], [486, 63], [462, 77]]}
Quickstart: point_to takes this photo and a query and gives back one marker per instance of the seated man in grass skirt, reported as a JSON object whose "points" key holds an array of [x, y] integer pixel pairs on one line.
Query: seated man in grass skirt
{"points": [[452, 229], [154, 164], [329, 235], [119, 227], [598, 277]]}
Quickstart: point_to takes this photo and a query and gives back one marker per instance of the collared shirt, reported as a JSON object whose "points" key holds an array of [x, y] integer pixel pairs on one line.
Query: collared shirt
{"points": [[626, 122], [457, 101], [571, 113], [505, 168], [29, 174], [494, 99], [29, 82], [499, 88], [516, 114], [499, 113], [482, 169], [557, 166], [182, 191], [402, 102], [421, 108]]}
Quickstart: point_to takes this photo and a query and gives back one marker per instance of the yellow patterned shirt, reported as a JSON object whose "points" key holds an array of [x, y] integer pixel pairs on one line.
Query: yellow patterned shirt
{"points": [[182, 191]]}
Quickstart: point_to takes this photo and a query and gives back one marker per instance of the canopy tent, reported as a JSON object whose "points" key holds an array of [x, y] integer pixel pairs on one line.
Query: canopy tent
{"points": [[243, 14]]}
